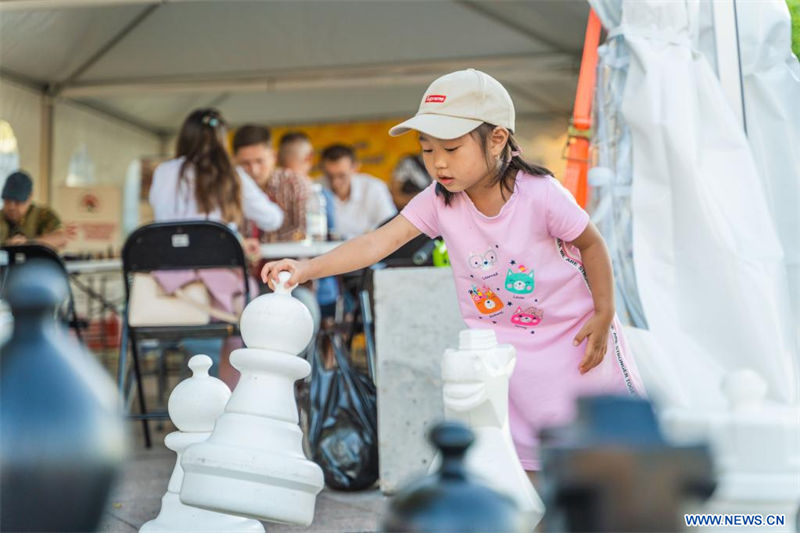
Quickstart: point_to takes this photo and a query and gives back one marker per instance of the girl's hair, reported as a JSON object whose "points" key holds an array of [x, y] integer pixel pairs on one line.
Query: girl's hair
{"points": [[511, 162], [202, 142]]}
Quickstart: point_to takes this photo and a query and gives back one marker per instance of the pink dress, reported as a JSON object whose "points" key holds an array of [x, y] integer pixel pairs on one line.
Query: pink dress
{"points": [[518, 274]]}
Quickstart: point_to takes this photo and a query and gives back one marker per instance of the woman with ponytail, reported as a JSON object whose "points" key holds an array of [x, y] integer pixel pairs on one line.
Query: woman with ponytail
{"points": [[202, 182]]}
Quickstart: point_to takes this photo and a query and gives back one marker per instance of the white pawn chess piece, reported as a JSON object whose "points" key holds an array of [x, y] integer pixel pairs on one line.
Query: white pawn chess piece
{"points": [[475, 391], [253, 463], [756, 446], [193, 406]]}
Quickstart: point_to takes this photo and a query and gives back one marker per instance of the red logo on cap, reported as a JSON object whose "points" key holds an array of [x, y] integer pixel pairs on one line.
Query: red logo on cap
{"points": [[435, 98]]}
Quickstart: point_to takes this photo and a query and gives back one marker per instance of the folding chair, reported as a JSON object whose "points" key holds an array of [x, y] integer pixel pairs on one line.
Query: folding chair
{"points": [[25, 252], [186, 245]]}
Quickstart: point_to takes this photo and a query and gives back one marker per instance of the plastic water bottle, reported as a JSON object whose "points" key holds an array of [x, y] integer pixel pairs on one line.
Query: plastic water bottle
{"points": [[316, 217]]}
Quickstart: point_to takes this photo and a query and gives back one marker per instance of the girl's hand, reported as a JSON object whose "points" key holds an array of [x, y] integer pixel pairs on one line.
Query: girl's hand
{"points": [[596, 331], [299, 270]]}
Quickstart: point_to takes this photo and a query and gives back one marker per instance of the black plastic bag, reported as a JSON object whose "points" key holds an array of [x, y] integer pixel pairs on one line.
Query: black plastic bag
{"points": [[343, 432]]}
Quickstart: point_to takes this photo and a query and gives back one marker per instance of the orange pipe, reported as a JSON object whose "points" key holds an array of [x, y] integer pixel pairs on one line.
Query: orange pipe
{"points": [[579, 137]]}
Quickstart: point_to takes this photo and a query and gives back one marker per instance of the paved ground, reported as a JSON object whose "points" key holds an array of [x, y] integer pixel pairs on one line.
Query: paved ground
{"points": [[137, 497]]}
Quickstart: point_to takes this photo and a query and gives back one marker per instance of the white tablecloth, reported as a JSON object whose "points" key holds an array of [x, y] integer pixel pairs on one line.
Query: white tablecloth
{"points": [[279, 250]]}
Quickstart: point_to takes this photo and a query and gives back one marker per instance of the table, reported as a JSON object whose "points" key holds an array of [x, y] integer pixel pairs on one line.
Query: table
{"points": [[100, 280], [94, 266], [275, 250], [300, 249], [99, 267], [91, 267]]}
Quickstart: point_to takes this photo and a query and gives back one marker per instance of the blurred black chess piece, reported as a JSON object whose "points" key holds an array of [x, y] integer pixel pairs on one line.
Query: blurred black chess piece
{"points": [[61, 436], [449, 500], [611, 470]]}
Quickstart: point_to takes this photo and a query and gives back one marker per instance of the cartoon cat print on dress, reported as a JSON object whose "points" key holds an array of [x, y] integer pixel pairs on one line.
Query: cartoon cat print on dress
{"points": [[532, 316], [520, 282], [485, 300], [484, 261]]}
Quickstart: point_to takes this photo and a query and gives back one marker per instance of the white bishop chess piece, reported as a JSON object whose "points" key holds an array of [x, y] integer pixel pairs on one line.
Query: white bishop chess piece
{"points": [[475, 392], [193, 406], [253, 463]]}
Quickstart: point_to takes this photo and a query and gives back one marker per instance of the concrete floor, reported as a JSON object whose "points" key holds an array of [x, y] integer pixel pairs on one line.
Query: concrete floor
{"points": [[137, 496]]}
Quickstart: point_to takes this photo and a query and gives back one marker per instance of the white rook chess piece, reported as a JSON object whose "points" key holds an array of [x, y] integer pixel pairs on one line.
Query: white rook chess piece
{"points": [[475, 392], [193, 406], [253, 463]]}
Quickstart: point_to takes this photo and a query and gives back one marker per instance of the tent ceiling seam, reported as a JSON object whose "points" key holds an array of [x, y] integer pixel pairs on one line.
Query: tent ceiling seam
{"points": [[106, 48], [50, 5], [23, 80], [516, 26], [120, 116], [338, 75], [42, 88], [537, 115], [219, 99], [400, 67]]}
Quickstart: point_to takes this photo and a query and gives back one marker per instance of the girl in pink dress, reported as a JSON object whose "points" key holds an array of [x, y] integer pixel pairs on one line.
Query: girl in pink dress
{"points": [[526, 260]]}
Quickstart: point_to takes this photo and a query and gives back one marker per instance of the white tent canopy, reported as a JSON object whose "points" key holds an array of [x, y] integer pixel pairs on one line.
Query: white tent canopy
{"points": [[151, 62]]}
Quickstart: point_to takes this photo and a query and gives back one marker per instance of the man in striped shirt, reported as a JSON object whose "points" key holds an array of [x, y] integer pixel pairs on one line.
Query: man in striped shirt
{"points": [[252, 147]]}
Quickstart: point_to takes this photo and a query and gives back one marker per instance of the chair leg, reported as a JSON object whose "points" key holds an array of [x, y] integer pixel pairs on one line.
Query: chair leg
{"points": [[140, 392], [162, 375], [353, 327], [122, 360], [73, 315], [366, 313], [162, 383]]}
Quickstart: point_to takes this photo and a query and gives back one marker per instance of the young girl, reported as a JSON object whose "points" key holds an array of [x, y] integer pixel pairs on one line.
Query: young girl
{"points": [[527, 262]]}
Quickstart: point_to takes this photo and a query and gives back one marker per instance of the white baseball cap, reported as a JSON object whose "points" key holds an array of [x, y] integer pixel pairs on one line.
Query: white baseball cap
{"points": [[459, 102]]}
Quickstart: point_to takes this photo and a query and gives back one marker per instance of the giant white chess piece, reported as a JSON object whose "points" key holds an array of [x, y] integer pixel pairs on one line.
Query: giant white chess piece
{"points": [[253, 462], [475, 392], [193, 406], [756, 447]]}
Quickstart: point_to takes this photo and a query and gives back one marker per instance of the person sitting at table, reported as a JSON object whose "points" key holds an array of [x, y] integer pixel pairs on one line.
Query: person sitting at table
{"points": [[296, 153], [361, 201], [24, 222], [288, 189], [201, 182]]}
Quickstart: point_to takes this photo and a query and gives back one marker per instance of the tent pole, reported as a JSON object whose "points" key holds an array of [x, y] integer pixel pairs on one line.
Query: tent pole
{"points": [[46, 149], [729, 66]]}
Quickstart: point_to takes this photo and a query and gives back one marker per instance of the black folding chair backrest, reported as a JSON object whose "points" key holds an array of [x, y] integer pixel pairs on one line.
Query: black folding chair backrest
{"points": [[194, 244], [25, 252], [22, 253]]}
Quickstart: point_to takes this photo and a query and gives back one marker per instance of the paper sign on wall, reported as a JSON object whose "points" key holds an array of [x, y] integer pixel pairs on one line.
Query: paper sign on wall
{"points": [[95, 214]]}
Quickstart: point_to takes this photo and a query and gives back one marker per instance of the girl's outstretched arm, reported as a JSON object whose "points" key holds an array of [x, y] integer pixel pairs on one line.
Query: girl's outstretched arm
{"points": [[356, 253], [597, 264]]}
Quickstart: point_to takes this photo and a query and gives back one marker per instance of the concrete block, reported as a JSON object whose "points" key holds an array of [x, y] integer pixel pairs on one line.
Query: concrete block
{"points": [[416, 318]]}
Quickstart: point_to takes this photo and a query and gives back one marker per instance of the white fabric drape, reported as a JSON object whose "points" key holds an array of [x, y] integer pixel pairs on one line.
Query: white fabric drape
{"points": [[708, 261], [771, 79]]}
